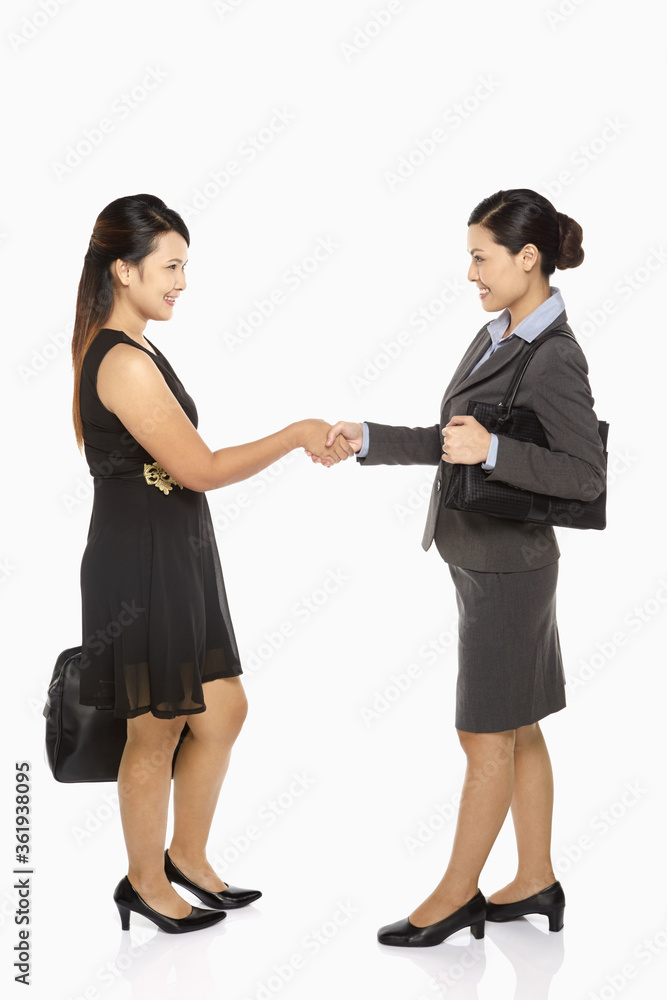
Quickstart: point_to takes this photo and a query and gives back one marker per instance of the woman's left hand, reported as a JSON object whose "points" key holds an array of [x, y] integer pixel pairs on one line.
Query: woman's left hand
{"points": [[465, 441]]}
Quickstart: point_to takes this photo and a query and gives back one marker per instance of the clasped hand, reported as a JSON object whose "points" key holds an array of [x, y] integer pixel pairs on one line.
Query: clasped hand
{"points": [[324, 443], [338, 442], [465, 441]]}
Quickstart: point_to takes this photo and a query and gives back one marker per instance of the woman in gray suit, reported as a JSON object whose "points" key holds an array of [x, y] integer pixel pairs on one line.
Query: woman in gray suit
{"points": [[510, 672]]}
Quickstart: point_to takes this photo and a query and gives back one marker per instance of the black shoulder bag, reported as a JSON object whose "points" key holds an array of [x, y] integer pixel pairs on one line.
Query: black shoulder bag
{"points": [[470, 490]]}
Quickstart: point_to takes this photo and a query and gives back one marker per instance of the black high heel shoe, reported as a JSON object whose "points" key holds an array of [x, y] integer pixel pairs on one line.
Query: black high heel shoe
{"points": [[128, 899], [405, 935], [230, 898], [549, 901]]}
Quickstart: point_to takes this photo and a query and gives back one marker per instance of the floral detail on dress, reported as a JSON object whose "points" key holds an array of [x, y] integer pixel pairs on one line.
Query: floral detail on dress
{"points": [[155, 475]]}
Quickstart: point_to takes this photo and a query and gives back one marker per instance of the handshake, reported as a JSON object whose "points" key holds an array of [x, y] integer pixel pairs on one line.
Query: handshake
{"points": [[464, 441], [327, 444]]}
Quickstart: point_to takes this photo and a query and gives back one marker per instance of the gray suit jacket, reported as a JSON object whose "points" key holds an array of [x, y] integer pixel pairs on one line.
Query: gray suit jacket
{"points": [[556, 388]]}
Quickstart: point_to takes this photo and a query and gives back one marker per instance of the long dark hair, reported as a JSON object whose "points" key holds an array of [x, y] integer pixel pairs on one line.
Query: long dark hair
{"points": [[127, 229], [519, 216]]}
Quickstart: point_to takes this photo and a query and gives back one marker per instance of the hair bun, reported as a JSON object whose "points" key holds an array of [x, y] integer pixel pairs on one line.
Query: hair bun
{"points": [[570, 250]]}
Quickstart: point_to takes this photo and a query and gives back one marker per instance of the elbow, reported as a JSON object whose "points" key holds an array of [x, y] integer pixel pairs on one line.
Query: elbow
{"points": [[198, 486], [199, 480], [193, 483], [199, 483], [594, 484]]}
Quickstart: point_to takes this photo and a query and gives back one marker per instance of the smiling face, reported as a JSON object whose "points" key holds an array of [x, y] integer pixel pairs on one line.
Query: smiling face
{"points": [[503, 279], [151, 292]]}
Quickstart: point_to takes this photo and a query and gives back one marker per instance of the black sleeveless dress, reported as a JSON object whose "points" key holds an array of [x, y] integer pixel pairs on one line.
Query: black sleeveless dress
{"points": [[155, 620]]}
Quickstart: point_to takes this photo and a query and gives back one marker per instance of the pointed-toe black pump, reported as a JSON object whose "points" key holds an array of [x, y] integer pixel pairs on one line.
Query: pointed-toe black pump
{"points": [[549, 901], [403, 934], [230, 898], [128, 900]]}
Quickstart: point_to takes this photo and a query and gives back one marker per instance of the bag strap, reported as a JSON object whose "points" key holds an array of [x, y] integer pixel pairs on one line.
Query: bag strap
{"points": [[512, 389]]}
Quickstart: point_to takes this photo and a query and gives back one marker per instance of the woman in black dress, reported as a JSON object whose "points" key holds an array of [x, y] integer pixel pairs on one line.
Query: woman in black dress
{"points": [[510, 672], [158, 642]]}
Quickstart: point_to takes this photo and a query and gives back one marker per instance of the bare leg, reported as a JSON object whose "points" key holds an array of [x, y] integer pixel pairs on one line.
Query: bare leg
{"points": [[532, 809], [200, 768], [144, 783], [485, 801]]}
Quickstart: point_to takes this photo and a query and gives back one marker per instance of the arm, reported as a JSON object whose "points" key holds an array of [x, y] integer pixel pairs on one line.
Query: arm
{"points": [[574, 467], [130, 385], [390, 445]]}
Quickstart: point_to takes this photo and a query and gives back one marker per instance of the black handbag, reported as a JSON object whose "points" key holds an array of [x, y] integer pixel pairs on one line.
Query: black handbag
{"points": [[83, 743], [470, 490]]}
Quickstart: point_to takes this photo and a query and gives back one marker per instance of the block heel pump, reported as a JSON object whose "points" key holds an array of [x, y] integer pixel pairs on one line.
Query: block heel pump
{"points": [[549, 901], [403, 934], [127, 899], [477, 930]]}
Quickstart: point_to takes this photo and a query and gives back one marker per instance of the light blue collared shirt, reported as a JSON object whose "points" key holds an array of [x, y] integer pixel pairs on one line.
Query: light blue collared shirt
{"points": [[528, 329]]}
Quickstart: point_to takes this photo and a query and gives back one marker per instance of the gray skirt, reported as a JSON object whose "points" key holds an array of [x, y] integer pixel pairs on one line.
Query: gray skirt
{"points": [[510, 670]]}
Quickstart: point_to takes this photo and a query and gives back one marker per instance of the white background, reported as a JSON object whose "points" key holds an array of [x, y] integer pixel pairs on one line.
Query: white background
{"points": [[550, 78]]}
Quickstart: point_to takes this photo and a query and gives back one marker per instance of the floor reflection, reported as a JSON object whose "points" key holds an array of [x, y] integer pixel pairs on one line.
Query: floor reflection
{"points": [[455, 970]]}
